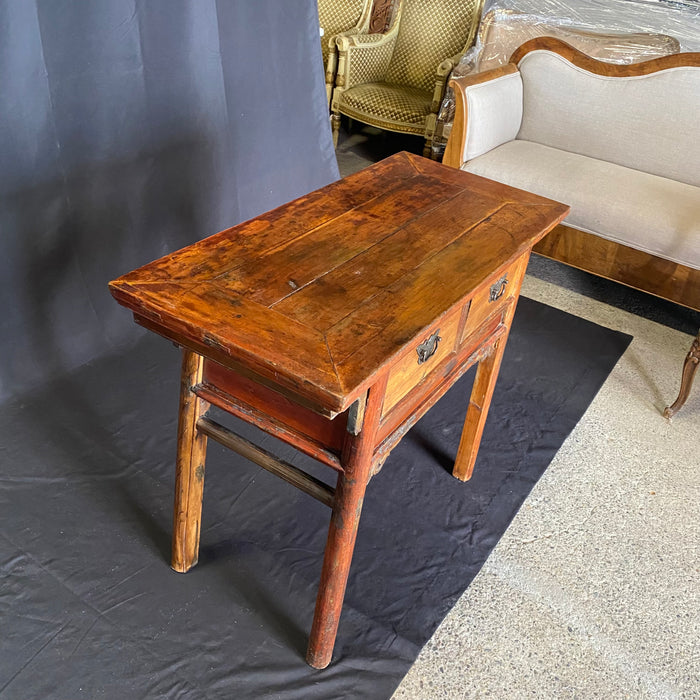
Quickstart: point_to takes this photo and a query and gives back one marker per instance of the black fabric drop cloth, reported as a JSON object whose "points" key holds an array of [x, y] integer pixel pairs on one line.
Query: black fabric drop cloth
{"points": [[90, 607]]}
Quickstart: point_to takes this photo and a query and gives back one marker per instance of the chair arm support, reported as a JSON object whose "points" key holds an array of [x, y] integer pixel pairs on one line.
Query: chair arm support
{"points": [[332, 65], [488, 113], [441, 74], [446, 67], [363, 58]]}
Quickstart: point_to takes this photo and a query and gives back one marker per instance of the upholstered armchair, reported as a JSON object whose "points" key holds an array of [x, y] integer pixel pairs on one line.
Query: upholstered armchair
{"points": [[396, 81], [336, 17]]}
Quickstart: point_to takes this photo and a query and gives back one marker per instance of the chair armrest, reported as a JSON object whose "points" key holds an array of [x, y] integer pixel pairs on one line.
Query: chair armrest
{"points": [[332, 63], [488, 113], [364, 58], [441, 75], [447, 66]]}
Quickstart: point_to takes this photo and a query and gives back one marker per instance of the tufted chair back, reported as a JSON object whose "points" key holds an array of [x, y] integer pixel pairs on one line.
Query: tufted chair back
{"points": [[430, 31]]}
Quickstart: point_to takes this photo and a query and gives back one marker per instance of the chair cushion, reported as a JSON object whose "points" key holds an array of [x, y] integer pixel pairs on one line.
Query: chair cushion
{"points": [[643, 211], [394, 107]]}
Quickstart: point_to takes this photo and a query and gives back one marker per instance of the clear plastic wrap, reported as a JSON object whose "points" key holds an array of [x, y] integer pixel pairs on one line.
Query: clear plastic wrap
{"points": [[617, 31]]}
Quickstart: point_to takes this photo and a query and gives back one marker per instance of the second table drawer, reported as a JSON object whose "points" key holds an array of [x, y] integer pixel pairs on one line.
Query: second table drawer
{"points": [[492, 297]]}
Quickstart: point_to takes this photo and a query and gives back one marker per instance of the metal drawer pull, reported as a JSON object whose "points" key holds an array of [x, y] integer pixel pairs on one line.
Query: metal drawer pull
{"points": [[428, 347], [498, 288]]}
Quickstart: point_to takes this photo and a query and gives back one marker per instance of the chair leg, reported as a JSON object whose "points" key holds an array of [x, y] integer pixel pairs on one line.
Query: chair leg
{"points": [[428, 149], [690, 367], [335, 125]]}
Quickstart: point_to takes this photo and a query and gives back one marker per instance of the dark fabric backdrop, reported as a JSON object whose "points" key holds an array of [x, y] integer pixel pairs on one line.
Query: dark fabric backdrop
{"points": [[129, 129]]}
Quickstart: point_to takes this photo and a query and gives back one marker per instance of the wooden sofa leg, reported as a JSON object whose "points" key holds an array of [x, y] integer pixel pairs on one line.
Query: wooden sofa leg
{"points": [[690, 367]]}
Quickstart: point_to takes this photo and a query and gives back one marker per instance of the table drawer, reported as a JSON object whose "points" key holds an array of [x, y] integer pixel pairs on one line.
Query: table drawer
{"points": [[429, 351], [493, 296]]}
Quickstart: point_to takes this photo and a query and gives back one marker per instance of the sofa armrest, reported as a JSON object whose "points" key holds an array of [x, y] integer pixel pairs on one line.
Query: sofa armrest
{"points": [[488, 113]]}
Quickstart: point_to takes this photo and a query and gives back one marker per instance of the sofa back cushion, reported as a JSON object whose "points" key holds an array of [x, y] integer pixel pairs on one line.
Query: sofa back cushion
{"points": [[650, 122]]}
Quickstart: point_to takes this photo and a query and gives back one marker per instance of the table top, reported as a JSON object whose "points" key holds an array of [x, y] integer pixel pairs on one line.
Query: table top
{"points": [[317, 296]]}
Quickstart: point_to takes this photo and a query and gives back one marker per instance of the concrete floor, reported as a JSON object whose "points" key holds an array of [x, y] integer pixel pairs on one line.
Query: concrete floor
{"points": [[594, 590]]}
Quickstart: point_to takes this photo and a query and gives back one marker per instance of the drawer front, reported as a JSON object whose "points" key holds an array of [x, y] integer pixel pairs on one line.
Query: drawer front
{"points": [[428, 352], [492, 298]]}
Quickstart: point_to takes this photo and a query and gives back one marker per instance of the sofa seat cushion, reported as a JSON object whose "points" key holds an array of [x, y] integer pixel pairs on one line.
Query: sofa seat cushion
{"points": [[639, 210]]}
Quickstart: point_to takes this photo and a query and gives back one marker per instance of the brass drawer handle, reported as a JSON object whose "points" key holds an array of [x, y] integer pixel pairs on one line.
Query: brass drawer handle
{"points": [[428, 347], [498, 288]]}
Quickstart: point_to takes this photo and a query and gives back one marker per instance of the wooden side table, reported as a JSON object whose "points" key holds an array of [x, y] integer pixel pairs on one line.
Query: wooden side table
{"points": [[334, 323]]}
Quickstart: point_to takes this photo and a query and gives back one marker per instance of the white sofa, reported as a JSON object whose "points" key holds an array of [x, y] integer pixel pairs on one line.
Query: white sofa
{"points": [[619, 143]]}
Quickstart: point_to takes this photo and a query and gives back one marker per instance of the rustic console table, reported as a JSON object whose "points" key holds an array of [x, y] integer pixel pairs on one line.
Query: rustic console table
{"points": [[334, 323]]}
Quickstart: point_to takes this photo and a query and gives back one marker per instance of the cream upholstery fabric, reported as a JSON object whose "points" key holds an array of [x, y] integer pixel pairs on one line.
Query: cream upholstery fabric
{"points": [[650, 123], [494, 114], [648, 212]]}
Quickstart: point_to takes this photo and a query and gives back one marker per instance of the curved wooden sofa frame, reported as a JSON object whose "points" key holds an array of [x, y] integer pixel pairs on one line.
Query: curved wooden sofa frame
{"points": [[614, 261]]}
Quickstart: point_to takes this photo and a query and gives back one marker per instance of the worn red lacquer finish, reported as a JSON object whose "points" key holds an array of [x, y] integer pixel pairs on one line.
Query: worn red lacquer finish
{"points": [[334, 322]]}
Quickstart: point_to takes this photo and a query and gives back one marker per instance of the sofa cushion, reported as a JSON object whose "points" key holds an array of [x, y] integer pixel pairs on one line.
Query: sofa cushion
{"points": [[648, 122], [643, 211]]}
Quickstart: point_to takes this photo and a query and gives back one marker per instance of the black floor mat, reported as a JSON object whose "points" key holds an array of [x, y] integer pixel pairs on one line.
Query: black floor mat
{"points": [[89, 606]]}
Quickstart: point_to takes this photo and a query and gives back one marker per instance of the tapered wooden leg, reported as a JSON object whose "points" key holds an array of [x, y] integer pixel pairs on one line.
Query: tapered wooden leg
{"points": [[189, 477], [690, 367], [479, 402], [347, 506]]}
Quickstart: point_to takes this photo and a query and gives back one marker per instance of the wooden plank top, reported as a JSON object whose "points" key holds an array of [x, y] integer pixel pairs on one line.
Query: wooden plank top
{"points": [[317, 296]]}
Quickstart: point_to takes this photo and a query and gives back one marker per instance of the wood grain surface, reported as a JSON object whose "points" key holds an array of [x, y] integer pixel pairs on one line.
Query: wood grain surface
{"points": [[318, 296]]}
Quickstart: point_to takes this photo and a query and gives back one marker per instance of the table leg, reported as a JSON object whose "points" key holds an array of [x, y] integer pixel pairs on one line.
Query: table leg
{"points": [[479, 402], [690, 367], [189, 476], [342, 531]]}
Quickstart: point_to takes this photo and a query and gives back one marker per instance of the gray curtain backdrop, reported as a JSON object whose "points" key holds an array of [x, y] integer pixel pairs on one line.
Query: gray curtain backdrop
{"points": [[129, 129]]}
